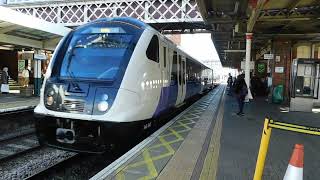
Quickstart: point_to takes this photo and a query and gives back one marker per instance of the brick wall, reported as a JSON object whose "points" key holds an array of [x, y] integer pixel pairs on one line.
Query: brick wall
{"points": [[282, 48], [176, 38]]}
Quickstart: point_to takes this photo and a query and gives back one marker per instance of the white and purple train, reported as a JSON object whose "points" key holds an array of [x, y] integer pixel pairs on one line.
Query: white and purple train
{"points": [[112, 78]]}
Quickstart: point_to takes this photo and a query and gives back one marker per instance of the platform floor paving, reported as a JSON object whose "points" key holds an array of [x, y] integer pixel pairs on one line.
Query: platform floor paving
{"points": [[211, 142], [240, 140], [13, 102], [173, 151]]}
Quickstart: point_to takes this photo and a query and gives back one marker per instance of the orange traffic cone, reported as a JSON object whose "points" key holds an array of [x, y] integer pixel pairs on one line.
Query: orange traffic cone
{"points": [[295, 167]]}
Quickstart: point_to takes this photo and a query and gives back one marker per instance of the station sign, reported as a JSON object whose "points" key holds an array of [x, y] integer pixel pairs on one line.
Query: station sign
{"points": [[40, 57], [279, 69], [243, 65], [268, 56]]}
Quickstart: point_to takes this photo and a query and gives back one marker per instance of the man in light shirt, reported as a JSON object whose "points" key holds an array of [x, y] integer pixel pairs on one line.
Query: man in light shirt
{"points": [[25, 76]]}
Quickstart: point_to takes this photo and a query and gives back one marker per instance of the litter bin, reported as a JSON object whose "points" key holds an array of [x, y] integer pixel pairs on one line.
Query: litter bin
{"points": [[277, 95]]}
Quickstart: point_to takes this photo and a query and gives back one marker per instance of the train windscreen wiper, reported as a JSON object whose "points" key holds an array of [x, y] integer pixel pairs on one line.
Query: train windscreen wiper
{"points": [[72, 77]]}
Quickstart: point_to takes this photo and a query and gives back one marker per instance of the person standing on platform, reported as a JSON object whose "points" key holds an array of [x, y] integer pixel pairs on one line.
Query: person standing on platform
{"points": [[5, 81], [241, 91], [25, 76], [230, 82]]}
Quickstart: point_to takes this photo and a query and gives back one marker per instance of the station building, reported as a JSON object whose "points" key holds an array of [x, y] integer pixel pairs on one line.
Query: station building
{"points": [[266, 39], [265, 35]]}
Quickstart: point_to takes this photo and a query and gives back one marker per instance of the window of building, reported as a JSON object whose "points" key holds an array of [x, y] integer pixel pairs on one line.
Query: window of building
{"points": [[153, 49]]}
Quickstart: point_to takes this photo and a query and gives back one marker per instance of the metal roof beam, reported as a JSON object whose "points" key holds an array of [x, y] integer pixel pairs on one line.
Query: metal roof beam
{"points": [[293, 4], [17, 18], [255, 15], [202, 8], [217, 20], [234, 50]]}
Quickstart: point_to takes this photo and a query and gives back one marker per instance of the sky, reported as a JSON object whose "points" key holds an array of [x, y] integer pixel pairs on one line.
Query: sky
{"points": [[201, 47], [204, 49]]}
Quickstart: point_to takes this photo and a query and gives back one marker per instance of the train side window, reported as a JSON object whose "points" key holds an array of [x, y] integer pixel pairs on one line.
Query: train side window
{"points": [[174, 69], [184, 72], [153, 49], [180, 70], [164, 56]]}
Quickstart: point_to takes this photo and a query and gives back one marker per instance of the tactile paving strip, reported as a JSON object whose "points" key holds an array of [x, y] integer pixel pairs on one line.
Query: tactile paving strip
{"points": [[149, 163]]}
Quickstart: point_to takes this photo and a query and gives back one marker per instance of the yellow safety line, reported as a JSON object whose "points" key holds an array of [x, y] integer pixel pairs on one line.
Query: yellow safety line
{"points": [[151, 168], [295, 129], [189, 118], [169, 153], [148, 160], [184, 125], [181, 124], [120, 175], [169, 134], [170, 142], [175, 133]]}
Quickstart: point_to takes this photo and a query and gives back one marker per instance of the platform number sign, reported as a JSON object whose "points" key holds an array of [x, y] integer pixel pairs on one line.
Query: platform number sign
{"points": [[261, 68]]}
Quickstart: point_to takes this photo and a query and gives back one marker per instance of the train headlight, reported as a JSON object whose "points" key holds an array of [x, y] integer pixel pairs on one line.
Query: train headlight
{"points": [[103, 106], [49, 100], [105, 97]]}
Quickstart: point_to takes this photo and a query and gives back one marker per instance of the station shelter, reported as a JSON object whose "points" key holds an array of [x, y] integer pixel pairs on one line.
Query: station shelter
{"points": [[26, 42], [264, 38]]}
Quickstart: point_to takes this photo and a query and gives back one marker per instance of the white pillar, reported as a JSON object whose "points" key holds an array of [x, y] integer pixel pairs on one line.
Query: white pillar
{"points": [[247, 65]]}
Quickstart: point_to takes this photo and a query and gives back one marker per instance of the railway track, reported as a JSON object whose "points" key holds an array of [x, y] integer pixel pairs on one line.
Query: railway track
{"points": [[33, 162], [14, 124], [42, 162], [17, 134], [17, 146]]}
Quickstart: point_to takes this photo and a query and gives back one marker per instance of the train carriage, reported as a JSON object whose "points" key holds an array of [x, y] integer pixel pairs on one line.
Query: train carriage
{"points": [[111, 79]]}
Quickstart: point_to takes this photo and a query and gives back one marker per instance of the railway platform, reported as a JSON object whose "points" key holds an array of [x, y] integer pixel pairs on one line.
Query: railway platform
{"points": [[14, 102], [210, 141]]}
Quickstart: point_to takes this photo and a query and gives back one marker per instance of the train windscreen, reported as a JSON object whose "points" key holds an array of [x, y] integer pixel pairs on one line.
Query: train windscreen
{"points": [[97, 53]]}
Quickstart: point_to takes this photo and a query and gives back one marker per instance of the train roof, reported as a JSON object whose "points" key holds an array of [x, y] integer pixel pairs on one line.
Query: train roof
{"points": [[128, 20]]}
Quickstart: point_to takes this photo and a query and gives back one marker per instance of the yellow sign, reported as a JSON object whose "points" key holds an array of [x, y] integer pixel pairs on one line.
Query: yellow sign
{"points": [[104, 30]]}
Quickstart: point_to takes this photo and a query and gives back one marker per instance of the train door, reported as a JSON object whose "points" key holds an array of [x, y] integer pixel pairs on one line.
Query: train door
{"points": [[164, 65], [184, 86], [173, 86], [181, 80]]}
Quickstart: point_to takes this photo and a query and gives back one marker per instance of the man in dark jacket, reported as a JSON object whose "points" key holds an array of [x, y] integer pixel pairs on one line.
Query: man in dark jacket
{"points": [[241, 91], [230, 82]]}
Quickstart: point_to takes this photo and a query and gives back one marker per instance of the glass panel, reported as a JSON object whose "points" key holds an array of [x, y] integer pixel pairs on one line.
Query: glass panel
{"points": [[153, 49], [174, 69], [95, 56], [305, 80], [180, 70], [316, 86], [164, 56]]}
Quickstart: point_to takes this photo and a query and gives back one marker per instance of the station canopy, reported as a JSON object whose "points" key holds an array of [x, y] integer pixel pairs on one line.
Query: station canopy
{"points": [[18, 30], [266, 19]]}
